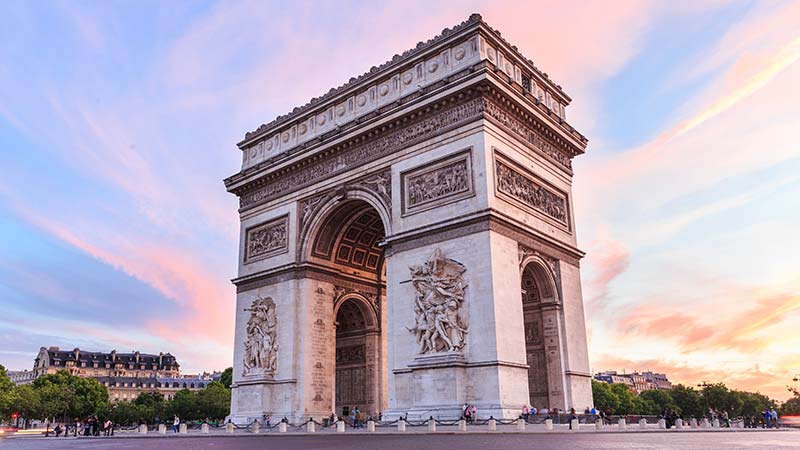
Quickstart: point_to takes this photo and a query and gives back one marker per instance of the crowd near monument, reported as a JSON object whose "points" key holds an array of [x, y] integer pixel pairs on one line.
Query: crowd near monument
{"points": [[408, 243]]}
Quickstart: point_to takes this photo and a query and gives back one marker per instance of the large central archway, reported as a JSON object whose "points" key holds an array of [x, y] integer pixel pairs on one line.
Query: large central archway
{"points": [[346, 243]]}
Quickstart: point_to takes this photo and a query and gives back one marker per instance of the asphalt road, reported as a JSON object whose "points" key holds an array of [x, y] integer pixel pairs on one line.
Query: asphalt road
{"points": [[767, 440]]}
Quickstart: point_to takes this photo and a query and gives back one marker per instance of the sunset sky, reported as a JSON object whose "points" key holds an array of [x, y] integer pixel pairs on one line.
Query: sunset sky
{"points": [[118, 122]]}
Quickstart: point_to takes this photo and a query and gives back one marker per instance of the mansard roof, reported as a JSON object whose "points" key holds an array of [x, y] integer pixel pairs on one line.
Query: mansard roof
{"points": [[397, 61], [90, 357]]}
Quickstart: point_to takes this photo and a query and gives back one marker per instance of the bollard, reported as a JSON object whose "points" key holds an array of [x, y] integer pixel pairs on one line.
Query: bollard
{"points": [[229, 427], [282, 427], [678, 424], [401, 425], [462, 425], [256, 428], [520, 424], [340, 426], [693, 423], [431, 424], [371, 426], [621, 423], [548, 424], [598, 424], [492, 424], [311, 427], [643, 423], [142, 429], [715, 423], [704, 423], [162, 429], [204, 428], [182, 429], [662, 424], [574, 425]]}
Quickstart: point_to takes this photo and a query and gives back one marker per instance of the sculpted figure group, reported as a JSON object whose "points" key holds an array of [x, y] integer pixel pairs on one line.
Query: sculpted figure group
{"points": [[440, 324], [261, 346]]}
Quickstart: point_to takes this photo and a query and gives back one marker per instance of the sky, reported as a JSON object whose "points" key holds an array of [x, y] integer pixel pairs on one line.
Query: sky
{"points": [[118, 122]]}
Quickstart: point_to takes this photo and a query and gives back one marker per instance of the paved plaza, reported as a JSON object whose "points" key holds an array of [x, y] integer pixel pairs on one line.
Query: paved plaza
{"points": [[729, 440]]}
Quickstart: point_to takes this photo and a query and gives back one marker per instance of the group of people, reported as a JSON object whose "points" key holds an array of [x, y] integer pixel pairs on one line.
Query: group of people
{"points": [[92, 426], [767, 419]]}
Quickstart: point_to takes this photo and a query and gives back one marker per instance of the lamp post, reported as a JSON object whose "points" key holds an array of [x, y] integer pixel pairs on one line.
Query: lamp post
{"points": [[704, 384]]}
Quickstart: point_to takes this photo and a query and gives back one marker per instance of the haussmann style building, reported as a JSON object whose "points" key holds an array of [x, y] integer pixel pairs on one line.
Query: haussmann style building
{"points": [[408, 243]]}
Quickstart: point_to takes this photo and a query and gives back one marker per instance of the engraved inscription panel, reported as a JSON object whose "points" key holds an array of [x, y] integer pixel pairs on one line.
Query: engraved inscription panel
{"points": [[513, 182], [441, 182], [267, 239]]}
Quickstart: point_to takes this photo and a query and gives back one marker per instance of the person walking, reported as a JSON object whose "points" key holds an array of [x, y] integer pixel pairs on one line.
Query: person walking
{"points": [[474, 412], [175, 423], [773, 415], [525, 412], [572, 416]]}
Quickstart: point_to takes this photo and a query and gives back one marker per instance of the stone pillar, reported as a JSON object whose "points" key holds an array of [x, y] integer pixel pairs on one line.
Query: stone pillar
{"points": [[162, 429], [204, 428], [575, 424], [182, 429], [662, 424], [715, 423], [431, 424], [598, 424], [678, 424], [492, 424], [142, 429], [255, 428], [548, 424], [520, 424], [704, 423], [401, 425], [371, 426], [693, 423], [311, 427], [229, 427], [643, 423], [622, 424], [282, 427], [462, 425], [340, 426]]}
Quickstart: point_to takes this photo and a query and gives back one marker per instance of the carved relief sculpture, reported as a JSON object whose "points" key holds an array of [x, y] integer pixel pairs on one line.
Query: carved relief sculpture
{"points": [[438, 183], [266, 239], [261, 345], [441, 324], [530, 193]]}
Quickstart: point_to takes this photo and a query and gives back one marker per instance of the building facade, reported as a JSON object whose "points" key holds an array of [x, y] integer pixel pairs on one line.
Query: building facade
{"points": [[408, 243], [99, 364], [637, 382], [128, 388]]}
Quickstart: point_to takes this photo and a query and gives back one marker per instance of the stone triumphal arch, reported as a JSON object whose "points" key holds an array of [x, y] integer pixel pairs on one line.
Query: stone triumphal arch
{"points": [[408, 243]]}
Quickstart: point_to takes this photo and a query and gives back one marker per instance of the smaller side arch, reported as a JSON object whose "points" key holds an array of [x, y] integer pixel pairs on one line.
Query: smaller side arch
{"points": [[371, 322], [537, 267]]}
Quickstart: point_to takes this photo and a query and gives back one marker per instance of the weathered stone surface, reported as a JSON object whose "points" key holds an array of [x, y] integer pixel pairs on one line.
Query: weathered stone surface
{"points": [[408, 246]]}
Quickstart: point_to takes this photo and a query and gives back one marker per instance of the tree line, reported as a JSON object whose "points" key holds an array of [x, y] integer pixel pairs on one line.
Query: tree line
{"points": [[686, 401], [62, 397]]}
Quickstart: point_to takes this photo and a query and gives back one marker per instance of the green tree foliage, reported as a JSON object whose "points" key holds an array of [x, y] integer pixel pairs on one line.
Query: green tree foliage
{"points": [[64, 395], [26, 401], [791, 406], [684, 400], [604, 399], [6, 394], [214, 402], [184, 405], [227, 377]]}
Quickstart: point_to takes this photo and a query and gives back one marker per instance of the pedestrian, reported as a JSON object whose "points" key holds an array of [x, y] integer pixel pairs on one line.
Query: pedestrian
{"points": [[474, 412], [175, 423], [96, 426], [572, 417], [332, 420], [773, 415], [267, 420], [593, 411], [525, 412], [107, 427], [355, 417], [467, 413], [57, 430], [726, 418]]}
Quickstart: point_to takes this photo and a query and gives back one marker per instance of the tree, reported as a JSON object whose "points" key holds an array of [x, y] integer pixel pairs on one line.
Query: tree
{"points": [[184, 405], [603, 397], [645, 406], [6, 394], [662, 400], [687, 400], [791, 406], [626, 398], [719, 398], [66, 396], [150, 405], [26, 401], [227, 377], [214, 402]]}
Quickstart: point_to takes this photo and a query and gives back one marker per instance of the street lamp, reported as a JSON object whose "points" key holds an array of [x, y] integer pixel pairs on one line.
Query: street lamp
{"points": [[704, 384]]}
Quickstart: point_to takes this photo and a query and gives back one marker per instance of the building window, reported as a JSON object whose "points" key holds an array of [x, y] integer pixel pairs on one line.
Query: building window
{"points": [[526, 83]]}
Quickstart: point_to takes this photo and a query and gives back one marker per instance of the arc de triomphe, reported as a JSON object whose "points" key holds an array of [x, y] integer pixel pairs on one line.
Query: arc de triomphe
{"points": [[408, 243]]}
